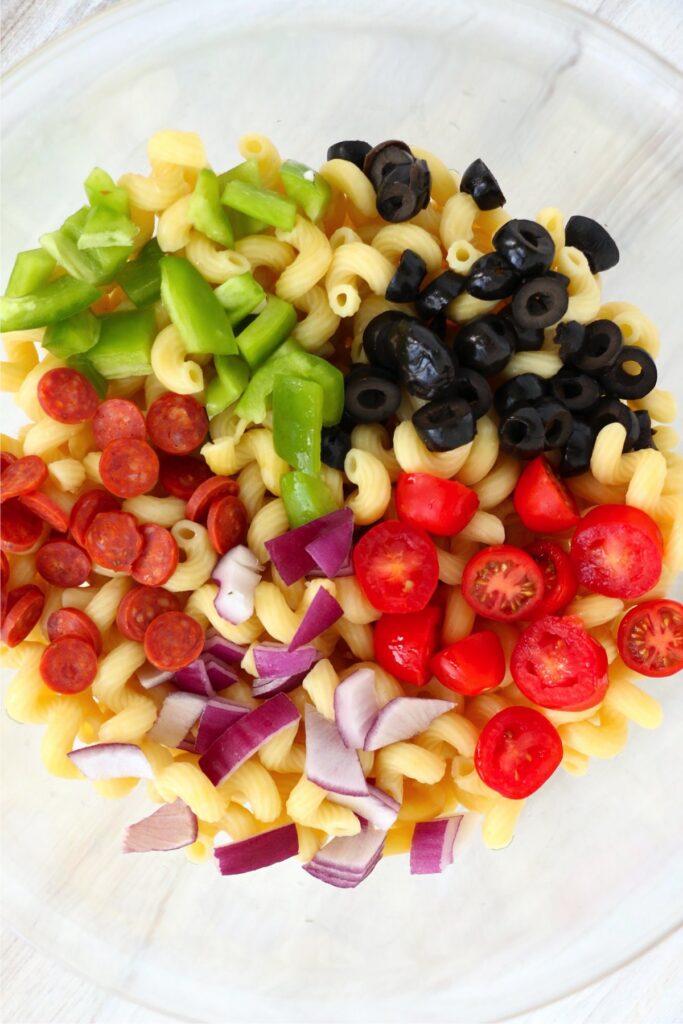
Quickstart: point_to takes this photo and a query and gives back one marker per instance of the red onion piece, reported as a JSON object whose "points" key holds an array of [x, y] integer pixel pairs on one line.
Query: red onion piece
{"points": [[194, 678], [432, 847], [403, 718], [178, 714], [278, 684], [237, 573], [149, 676], [377, 808], [323, 611], [169, 828], [276, 660], [102, 761], [288, 551], [346, 861], [220, 675], [241, 740], [258, 851], [331, 549], [356, 707], [224, 650], [218, 715], [330, 764]]}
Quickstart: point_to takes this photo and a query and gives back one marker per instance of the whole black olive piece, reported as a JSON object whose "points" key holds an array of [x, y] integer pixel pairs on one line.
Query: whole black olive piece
{"points": [[385, 157], [557, 423], [352, 150], [438, 293], [480, 183], [594, 241], [371, 394], [485, 345], [620, 382], [526, 246], [600, 349], [403, 192], [611, 410], [475, 389], [522, 433], [577, 391], [492, 277], [405, 284], [425, 364], [541, 301], [526, 389], [445, 424], [335, 445], [576, 457], [381, 337]]}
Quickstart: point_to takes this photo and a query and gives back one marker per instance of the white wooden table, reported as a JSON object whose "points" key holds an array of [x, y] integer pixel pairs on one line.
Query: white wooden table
{"points": [[35, 990]]}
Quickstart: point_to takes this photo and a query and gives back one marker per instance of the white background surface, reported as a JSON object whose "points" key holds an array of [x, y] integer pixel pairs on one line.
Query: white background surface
{"points": [[34, 989]]}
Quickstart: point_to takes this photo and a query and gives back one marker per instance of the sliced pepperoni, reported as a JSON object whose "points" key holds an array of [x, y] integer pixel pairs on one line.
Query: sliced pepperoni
{"points": [[85, 510], [129, 467], [227, 523], [47, 509], [159, 557], [113, 541], [19, 528], [177, 423], [173, 640], [6, 459], [68, 665], [142, 606], [63, 564], [67, 396], [181, 475], [22, 477], [4, 570], [117, 418], [214, 487], [23, 608], [75, 623]]}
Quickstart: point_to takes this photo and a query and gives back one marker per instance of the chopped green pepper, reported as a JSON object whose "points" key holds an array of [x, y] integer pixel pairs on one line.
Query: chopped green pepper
{"points": [[80, 363], [247, 171], [194, 309], [206, 212], [124, 345], [47, 304], [306, 187], [239, 296], [298, 421], [270, 207], [101, 190], [262, 336], [141, 278], [305, 497], [31, 269], [232, 374], [105, 227], [76, 334], [96, 266], [291, 359]]}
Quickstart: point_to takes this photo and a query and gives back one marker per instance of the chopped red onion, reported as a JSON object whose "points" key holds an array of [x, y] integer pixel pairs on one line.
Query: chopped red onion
{"points": [[276, 660], [194, 678], [278, 684], [356, 707], [224, 650], [403, 718], [218, 715], [330, 764], [102, 761], [237, 573], [178, 714], [288, 551], [323, 611], [220, 675], [377, 808], [346, 861], [432, 847], [345, 570], [240, 741], [331, 549], [169, 828], [259, 851], [149, 675]]}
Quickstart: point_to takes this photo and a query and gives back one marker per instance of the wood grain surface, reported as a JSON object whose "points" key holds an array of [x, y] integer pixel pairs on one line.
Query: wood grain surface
{"points": [[36, 990]]}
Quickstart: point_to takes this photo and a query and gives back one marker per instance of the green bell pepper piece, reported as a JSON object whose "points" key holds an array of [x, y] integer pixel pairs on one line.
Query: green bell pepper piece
{"points": [[101, 190], [261, 203], [80, 363], [298, 421], [72, 336], [140, 278], [125, 344], [305, 497], [306, 187], [31, 269], [262, 336], [105, 227], [96, 266], [194, 309], [232, 374], [247, 171], [47, 304], [206, 213], [292, 360], [239, 296]]}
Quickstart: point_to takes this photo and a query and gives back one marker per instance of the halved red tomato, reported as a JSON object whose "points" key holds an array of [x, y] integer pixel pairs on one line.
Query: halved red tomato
{"points": [[404, 644], [502, 582], [542, 501], [443, 507], [397, 567], [471, 665], [617, 551], [559, 577], [556, 663], [650, 638], [518, 750]]}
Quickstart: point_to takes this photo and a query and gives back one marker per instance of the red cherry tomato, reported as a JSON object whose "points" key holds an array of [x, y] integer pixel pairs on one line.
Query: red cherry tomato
{"points": [[617, 551], [503, 583], [542, 501], [650, 638], [556, 663], [404, 644], [518, 750], [443, 507], [560, 581], [397, 567], [472, 665]]}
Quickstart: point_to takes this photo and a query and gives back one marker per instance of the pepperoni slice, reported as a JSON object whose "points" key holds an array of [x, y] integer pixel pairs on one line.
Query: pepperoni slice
{"points": [[4, 570], [129, 467], [159, 556], [47, 509], [23, 609], [214, 487], [6, 459], [177, 423], [181, 475], [68, 665], [63, 564], [66, 396], [117, 418], [73, 622], [173, 640], [22, 476], [140, 607], [85, 510], [227, 523], [19, 528], [113, 541]]}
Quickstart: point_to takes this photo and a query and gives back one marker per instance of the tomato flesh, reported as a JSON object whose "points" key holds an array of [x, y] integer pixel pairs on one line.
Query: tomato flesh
{"points": [[472, 665], [650, 638], [556, 663], [404, 644], [560, 581], [397, 567], [542, 501], [442, 507], [518, 750], [617, 551], [502, 583]]}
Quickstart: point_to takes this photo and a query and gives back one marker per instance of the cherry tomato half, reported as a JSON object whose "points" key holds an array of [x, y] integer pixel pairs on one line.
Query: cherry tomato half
{"points": [[502, 582], [518, 750], [560, 581], [542, 501], [556, 663], [650, 638], [397, 567], [472, 665], [404, 644], [443, 507], [617, 551]]}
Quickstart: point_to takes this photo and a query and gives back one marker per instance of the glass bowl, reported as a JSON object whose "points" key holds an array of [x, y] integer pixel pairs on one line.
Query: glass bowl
{"points": [[567, 113]]}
